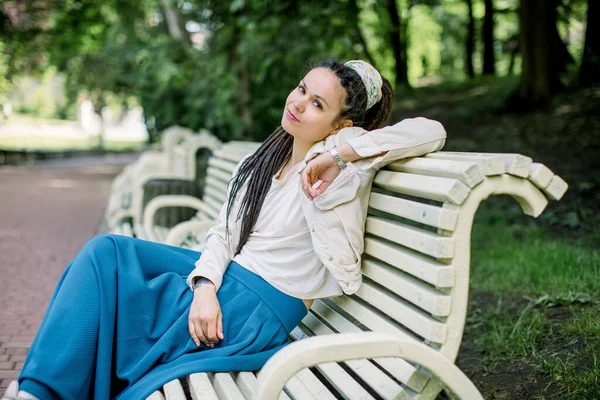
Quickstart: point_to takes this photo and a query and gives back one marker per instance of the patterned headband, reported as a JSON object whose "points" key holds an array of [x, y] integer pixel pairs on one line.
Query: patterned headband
{"points": [[370, 77]]}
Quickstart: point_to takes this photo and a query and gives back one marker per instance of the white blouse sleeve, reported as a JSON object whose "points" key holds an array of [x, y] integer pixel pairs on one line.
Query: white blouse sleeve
{"points": [[219, 247], [410, 137]]}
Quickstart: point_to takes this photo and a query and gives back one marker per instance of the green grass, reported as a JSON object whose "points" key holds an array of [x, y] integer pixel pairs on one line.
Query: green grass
{"points": [[523, 274], [503, 332], [30, 119], [521, 258], [586, 323], [578, 377], [46, 143]]}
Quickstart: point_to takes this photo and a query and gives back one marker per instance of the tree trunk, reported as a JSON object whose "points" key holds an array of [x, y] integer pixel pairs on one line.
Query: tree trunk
{"points": [[397, 44], [589, 73], [240, 64], [354, 10], [175, 23], [540, 74], [489, 58], [470, 44]]}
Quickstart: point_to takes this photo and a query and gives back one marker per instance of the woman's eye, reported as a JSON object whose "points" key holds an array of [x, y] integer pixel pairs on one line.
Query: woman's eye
{"points": [[317, 104], [301, 88]]}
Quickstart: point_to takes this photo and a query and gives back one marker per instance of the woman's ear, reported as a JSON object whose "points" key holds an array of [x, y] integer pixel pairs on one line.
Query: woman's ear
{"points": [[347, 123]]}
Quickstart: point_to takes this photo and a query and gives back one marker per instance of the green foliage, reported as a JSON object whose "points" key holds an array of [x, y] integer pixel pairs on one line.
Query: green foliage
{"points": [[236, 61]]}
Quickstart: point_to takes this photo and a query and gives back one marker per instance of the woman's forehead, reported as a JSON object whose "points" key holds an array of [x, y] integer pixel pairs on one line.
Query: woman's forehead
{"points": [[324, 83]]}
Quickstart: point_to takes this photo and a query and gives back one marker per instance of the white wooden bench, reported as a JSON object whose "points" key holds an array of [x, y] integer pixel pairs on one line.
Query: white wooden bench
{"points": [[125, 206], [221, 165], [152, 160], [399, 335]]}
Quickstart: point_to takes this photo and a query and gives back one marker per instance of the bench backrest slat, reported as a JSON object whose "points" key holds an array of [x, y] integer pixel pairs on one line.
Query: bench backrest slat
{"points": [[421, 213], [413, 238], [428, 187]]}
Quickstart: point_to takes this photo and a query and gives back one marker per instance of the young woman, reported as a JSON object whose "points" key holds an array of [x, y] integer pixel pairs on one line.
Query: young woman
{"points": [[130, 315]]}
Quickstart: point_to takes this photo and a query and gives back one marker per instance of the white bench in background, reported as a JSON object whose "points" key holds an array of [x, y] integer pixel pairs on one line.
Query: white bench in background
{"points": [[125, 206]]}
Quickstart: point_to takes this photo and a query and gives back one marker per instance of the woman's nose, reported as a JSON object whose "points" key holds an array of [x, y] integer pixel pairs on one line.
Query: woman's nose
{"points": [[298, 105]]}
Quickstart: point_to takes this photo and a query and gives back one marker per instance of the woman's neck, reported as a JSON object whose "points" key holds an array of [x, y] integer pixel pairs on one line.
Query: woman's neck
{"points": [[299, 151]]}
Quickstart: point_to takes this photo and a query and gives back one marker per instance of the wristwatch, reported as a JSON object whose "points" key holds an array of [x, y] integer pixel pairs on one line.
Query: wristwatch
{"points": [[201, 282], [336, 157]]}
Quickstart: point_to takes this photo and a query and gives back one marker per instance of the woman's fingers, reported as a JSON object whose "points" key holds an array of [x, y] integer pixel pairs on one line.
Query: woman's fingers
{"points": [[220, 326], [193, 332], [210, 331]]}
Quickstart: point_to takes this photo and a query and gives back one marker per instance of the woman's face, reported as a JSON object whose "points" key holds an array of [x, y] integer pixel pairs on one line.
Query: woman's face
{"points": [[312, 107]]}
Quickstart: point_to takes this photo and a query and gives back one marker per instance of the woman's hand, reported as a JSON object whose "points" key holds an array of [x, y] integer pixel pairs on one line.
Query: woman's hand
{"points": [[205, 319], [321, 168]]}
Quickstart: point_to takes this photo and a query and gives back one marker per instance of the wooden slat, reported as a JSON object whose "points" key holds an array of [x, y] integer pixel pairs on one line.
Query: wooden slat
{"points": [[540, 175], [222, 164], [205, 216], [414, 238], [174, 391], [200, 387], [556, 188], [415, 264], [156, 396], [428, 187], [296, 390], [225, 387], [375, 378], [422, 213], [398, 368], [410, 289], [225, 176], [489, 164], [517, 164], [216, 193], [216, 184], [467, 172], [335, 375], [216, 181], [246, 382], [316, 388], [213, 206], [514, 164], [407, 315]]}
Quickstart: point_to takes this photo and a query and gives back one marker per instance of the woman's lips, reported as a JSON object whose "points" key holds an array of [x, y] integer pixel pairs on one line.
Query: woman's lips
{"points": [[291, 116]]}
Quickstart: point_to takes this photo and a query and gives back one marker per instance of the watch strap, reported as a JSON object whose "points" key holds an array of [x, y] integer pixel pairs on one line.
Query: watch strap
{"points": [[336, 157], [201, 281]]}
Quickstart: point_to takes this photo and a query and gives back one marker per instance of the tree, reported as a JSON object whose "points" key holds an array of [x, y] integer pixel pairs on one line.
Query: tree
{"points": [[489, 58], [589, 72], [543, 53], [470, 42], [398, 41]]}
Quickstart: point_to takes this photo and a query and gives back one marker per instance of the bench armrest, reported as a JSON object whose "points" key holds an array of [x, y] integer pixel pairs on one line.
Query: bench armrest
{"points": [[179, 233], [348, 346], [166, 201]]}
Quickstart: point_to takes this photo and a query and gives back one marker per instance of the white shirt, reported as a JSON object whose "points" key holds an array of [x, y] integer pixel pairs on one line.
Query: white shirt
{"points": [[279, 248], [336, 218]]}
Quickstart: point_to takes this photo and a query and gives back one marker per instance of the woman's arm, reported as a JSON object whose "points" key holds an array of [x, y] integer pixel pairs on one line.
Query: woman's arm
{"points": [[408, 138], [218, 248]]}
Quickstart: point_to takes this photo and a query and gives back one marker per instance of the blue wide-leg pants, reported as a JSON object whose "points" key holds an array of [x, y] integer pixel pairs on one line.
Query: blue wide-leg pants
{"points": [[117, 324]]}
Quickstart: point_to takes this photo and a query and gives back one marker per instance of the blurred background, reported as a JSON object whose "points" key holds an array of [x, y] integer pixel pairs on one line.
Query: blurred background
{"points": [[515, 76]]}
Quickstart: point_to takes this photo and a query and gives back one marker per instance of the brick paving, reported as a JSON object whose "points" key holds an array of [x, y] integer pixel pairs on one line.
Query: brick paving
{"points": [[47, 213]]}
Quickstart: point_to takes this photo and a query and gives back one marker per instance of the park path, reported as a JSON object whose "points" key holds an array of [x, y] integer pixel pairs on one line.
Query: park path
{"points": [[47, 213]]}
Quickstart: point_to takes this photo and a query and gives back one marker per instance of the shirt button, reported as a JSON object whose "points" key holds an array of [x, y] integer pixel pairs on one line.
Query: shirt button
{"points": [[330, 258], [313, 230]]}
